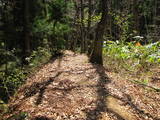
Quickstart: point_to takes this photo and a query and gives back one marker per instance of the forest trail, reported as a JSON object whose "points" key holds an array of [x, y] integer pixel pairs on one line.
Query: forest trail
{"points": [[71, 88]]}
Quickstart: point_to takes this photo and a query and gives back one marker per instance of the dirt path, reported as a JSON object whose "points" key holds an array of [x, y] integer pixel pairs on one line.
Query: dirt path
{"points": [[71, 88]]}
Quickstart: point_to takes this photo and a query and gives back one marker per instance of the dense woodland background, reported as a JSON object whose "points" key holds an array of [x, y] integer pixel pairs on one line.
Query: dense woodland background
{"points": [[125, 32]]}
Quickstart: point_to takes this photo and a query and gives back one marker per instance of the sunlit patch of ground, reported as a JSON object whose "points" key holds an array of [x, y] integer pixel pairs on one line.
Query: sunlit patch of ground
{"points": [[71, 88]]}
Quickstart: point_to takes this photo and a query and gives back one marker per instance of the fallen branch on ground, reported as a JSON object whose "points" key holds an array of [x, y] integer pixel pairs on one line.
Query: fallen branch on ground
{"points": [[146, 85]]}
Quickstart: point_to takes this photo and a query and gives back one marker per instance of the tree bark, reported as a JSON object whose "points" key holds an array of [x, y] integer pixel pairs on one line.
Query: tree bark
{"points": [[26, 48], [136, 16], [82, 28], [96, 56], [88, 40], [75, 25]]}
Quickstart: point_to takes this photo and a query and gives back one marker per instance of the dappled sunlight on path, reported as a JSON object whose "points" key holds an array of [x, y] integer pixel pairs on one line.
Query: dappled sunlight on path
{"points": [[71, 88]]}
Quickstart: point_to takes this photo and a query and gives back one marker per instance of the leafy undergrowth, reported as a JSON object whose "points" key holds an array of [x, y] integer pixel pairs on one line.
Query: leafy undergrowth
{"points": [[141, 62], [132, 56], [13, 75], [139, 66], [71, 88]]}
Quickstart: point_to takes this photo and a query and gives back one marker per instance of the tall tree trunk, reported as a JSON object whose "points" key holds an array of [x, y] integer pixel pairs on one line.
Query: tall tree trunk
{"points": [[96, 56], [45, 9], [82, 28], [73, 43], [77, 15], [88, 41], [26, 48], [136, 16]]}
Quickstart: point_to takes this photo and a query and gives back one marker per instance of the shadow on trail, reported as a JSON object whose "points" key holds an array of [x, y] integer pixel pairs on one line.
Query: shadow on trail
{"points": [[65, 86], [139, 111], [102, 94], [46, 83], [41, 118], [102, 105], [44, 87], [40, 87]]}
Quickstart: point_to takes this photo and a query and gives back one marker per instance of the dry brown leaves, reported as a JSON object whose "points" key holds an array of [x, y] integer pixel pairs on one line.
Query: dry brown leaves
{"points": [[71, 88]]}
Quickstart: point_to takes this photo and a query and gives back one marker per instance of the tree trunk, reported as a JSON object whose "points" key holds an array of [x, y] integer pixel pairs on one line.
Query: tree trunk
{"points": [[82, 28], [26, 48], [73, 41], [136, 16], [88, 41], [96, 56]]}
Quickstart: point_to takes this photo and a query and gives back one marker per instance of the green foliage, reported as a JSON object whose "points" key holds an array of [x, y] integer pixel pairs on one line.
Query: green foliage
{"points": [[20, 116], [146, 7], [14, 79], [3, 107], [12, 76], [130, 56], [38, 57], [42, 26], [58, 8], [48, 25], [54, 27], [10, 81], [95, 19], [125, 23]]}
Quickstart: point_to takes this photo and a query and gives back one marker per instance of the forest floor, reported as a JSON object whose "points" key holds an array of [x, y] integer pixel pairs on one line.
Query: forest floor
{"points": [[71, 88]]}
